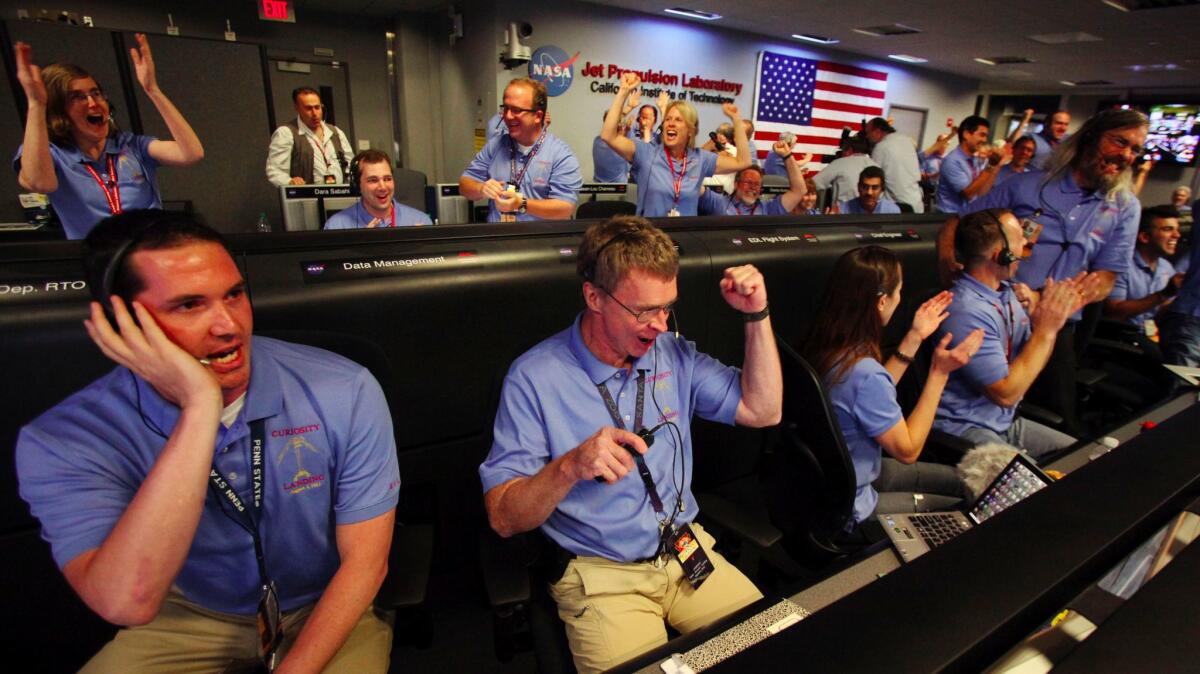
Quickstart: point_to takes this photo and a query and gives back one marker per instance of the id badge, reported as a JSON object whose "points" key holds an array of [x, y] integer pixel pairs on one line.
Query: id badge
{"points": [[1032, 230], [270, 627], [694, 560], [673, 213]]}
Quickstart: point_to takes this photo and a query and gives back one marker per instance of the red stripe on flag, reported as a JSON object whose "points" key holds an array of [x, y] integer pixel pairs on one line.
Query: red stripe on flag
{"points": [[772, 136], [835, 124], [847, 89], [846, 107], [851, 70]]}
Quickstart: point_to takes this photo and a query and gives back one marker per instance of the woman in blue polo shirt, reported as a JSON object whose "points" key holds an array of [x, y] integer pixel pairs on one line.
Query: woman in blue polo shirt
{"points": [[863, 293], [74, 152], [669, 175]]}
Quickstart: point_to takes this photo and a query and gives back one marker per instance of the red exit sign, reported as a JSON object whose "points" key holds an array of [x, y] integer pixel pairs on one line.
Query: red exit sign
{"points": [[276, 10]]}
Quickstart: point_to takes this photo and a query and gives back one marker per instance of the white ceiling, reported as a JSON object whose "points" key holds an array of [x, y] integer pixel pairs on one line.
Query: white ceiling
{"points": [[953, 34]]}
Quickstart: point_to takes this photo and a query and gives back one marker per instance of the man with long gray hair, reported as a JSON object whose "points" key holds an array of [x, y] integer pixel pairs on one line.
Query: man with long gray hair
{"points": [[1088, 221]]}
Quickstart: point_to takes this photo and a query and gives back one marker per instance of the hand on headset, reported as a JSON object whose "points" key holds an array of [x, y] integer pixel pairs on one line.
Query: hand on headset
{"points": [[143, 348], [744, 289], [603, 455]]}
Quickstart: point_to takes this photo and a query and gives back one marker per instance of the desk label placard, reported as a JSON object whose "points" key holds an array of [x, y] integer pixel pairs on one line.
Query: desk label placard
{"points": [[604, 188], [356, 269], [314, 191], [906, 235], [29, 290]]}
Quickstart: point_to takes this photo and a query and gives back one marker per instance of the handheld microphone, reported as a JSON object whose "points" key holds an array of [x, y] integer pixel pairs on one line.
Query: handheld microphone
{"points": [[647, 436], [713, 136]]}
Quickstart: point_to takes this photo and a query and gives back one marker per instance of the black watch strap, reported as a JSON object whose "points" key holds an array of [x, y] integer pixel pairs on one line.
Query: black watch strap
{"points": [[757, 315]]}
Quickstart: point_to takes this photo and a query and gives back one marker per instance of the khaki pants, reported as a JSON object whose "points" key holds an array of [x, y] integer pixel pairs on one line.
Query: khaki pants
{"points": [[616, 610], [186, 638]]}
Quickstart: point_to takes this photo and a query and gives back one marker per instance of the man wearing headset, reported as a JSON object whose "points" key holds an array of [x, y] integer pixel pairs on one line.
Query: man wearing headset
{"points": [[567, 457], [1088, 220], [306, 149], [528, 173], [371, 178], [980, 400], [226, 515]]}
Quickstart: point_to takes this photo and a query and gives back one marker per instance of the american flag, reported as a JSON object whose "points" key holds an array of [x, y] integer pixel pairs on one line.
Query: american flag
{"points": [[814, 100]]}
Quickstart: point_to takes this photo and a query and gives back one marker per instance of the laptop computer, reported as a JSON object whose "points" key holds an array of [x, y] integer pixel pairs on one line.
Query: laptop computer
{"points": [[915, 534]]}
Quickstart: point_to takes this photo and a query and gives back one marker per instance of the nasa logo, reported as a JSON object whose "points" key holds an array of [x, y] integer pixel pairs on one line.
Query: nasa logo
{"points": [[550, 66], [315, 269]]}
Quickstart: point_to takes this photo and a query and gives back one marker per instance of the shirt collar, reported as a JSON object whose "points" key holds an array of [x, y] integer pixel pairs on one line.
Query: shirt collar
{"points": [[597, 370], [1141, 262], [304, 127], [977, 286]]}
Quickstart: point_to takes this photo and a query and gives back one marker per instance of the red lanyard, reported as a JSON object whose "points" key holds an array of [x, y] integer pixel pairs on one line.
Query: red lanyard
{"points": [[1010, 326], [316, 142], [515, 178], [112, 193], [676, 178], [737, 205]]}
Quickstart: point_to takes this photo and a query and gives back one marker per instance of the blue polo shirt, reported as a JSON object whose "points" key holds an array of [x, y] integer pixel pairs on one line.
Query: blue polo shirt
{"points": [[554, 173], [607, 165], [1007, 172], [550, 404], [1006, 329], [712, 203], [959, 170], [1188, 300], [884, 207], [1081, 229], [357, 217], [1043, 147], [330, 460], [1139, 281], [79, 200], [864, 402], [773, 165], [656, 186]]}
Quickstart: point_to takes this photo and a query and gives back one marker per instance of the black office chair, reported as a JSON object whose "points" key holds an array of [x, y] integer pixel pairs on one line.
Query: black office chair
{"points": [[604, 209], [809, 478], [904, 208]]}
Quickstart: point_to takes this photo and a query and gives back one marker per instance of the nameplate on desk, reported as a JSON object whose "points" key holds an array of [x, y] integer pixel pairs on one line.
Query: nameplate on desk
{"points": [[315, 191], [449, 190], [775, 189], [359, 268], [604, 188], [33, 290], [784, 239], [906, 235]]}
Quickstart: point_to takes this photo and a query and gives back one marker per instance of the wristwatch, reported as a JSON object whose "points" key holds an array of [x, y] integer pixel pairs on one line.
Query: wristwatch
{"points": [[521, 208], [754, 317]]}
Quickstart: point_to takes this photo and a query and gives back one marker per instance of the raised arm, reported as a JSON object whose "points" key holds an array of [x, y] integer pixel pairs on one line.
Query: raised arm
{"points": [[725, 163], [37, 167], [184, 148], [904, 441], [610, 133], [795, 171], [744, 289], [126, 579], [1020, 130]]}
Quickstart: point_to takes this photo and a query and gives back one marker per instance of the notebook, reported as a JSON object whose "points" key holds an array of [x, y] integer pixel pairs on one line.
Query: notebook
{"points": [[915, 534]]}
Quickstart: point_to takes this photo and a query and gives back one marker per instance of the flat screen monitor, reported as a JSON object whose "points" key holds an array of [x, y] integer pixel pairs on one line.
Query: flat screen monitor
{"points": [[1174, 130]]}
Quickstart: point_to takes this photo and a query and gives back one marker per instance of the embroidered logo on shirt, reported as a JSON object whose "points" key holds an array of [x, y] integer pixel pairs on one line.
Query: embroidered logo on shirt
{"points": [[297, 446]]}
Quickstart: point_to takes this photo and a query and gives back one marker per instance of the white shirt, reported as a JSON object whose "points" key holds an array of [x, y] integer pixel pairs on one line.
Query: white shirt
{"points": [[325, 158]]}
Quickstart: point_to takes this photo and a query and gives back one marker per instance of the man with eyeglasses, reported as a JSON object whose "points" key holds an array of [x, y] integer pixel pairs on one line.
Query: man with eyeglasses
{"points": [[567, 456], [228, 499], [306, 150], [748, 184], [1087, 217], [528, 173]]}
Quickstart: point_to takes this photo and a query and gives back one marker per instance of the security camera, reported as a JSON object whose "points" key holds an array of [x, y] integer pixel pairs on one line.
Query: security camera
{"points": [[515, 53]]}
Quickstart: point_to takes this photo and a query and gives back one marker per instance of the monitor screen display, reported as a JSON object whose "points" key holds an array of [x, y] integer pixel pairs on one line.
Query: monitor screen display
{"points": [[1173, 133]]}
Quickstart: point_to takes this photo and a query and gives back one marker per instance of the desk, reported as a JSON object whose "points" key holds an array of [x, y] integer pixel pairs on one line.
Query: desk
{"points": [[1039, 555]]}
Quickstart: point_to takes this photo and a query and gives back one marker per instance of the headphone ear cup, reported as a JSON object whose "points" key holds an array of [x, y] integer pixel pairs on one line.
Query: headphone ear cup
{"points": [[355, 190]]}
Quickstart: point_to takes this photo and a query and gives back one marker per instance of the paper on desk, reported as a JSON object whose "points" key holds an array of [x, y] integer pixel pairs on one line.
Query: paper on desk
{"points": [[1191, 375]]}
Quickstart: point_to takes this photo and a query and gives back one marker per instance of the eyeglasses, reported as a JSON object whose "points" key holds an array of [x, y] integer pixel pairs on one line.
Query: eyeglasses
{"points": [[516, 112], [642, 316], [74, 97], [1121, 143]]}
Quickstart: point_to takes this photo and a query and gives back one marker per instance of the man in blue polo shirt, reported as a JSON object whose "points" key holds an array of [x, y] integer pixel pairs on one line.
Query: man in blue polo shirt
{"points": [[1151, 281], [1048, 139], [527, 173], [980, 400], [970, 170], [870, 199], [1179, 323], [747, 196], [371, 173], [565, 458], [156, 484]]}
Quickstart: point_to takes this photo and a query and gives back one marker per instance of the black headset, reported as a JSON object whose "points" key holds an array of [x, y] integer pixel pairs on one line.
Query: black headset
{"points": [[354, 171], [1006, 255]]}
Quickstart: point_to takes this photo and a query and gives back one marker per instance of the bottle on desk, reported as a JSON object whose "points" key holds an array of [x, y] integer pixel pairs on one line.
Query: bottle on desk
{"points": [[263, 226]]}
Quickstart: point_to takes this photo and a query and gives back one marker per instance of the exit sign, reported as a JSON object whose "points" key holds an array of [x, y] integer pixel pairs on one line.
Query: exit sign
{"points": [[276, 10]]}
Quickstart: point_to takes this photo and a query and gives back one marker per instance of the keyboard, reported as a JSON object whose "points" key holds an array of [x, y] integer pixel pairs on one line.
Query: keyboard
{"points": [[937, 528]]}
